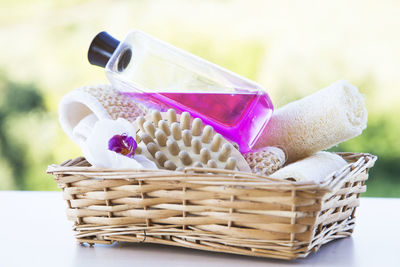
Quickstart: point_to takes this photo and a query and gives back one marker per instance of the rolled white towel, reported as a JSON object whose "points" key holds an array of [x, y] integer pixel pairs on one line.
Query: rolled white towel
{"points": [[80, 109], [316, 122], [313, 168]]}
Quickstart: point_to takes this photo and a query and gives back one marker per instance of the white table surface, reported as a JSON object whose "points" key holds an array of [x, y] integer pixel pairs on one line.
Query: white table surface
{"points": [[34, 231]]}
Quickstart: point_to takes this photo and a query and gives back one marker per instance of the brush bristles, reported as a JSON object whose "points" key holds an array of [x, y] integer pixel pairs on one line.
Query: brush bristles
{"points": [[205, 155], [161, 157], [230, 164], [156, 117], [216, 143], [185, 121], [176, 143], [185, 158], [140, 121], [149, 128], [152, 148], [225, 152], [207, 134], [173, 147], [161, 137], [170, 165], [176, 131], [163, 125], [187, 137], [196, 127], [196, 145], [171, 114]]}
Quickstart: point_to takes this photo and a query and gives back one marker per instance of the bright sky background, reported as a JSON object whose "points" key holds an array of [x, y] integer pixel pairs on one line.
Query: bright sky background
{"points": [[308, 44]]}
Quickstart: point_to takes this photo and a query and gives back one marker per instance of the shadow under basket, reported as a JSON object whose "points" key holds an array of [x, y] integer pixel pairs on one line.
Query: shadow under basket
{"points": [[210, 209]]}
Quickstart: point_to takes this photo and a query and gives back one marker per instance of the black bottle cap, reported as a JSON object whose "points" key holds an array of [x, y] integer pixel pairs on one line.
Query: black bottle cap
{"points": [[101, 49]]}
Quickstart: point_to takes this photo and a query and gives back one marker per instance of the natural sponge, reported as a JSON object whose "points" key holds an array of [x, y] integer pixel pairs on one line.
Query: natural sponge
{"points": [[177, 141], [316, 122], [265, 161], [85, 105]]}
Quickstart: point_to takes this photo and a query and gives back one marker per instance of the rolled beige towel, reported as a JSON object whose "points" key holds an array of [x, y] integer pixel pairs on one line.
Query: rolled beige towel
{"points": [[313, 168], [316, 122], [80, 109]]}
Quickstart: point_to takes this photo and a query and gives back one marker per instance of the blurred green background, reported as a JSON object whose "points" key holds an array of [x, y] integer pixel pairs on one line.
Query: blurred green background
{"points": [[292, 48]]}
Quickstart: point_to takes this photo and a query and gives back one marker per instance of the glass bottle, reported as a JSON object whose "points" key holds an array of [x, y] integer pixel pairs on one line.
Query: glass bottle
{"points": [[162, 76]]}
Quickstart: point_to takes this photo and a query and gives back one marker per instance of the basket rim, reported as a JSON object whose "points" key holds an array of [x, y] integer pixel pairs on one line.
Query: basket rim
{"points": [[357, 162]]}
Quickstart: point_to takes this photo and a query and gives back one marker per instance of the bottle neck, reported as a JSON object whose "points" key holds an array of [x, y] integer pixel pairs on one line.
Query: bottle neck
{"points": [[101, 49]]}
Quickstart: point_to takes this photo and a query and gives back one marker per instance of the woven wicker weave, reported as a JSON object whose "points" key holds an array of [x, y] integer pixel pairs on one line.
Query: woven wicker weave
{"points": [[226, 211]]}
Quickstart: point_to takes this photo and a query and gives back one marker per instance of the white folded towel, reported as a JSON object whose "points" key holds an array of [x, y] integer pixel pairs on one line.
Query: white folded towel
{"points": [[313, 168], [316, 122], [80, 109]]}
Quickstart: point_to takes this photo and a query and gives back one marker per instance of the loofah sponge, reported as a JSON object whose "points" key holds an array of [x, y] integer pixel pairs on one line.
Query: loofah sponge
{"points": [[174, 142], [265, 161], [316, 122], [81, 108], [116, 104]]}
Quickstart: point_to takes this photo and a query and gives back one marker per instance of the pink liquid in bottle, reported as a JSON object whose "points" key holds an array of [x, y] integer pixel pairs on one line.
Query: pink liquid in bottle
{"points": [[239, 117], [162, 76]]}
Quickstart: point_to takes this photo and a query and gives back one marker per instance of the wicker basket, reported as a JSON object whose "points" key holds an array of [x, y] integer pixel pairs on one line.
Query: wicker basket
{"points": [[222, 211]]}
